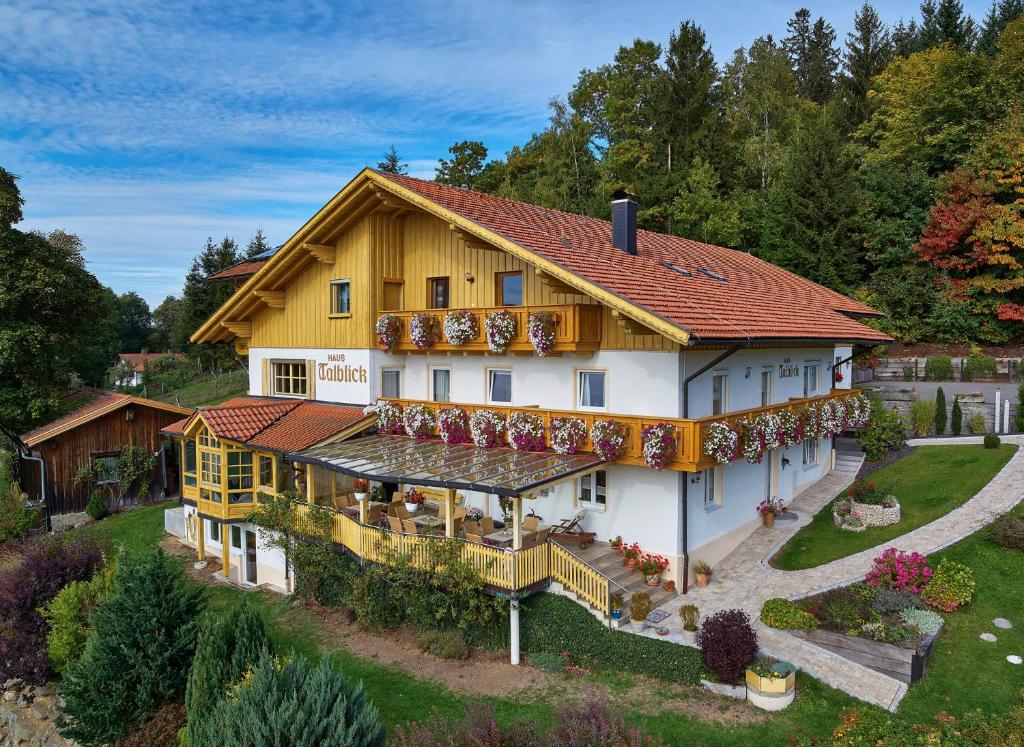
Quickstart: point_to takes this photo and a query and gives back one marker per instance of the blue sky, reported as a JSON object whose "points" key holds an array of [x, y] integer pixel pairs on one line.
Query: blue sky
{"points": [[146, 129]]}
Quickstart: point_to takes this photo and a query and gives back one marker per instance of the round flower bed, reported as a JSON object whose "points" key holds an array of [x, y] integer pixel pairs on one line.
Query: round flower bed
{"points": [[388, 328], [389, 417], [567, 435], [460, 327], [424, 330], [659, 442], [609, 439], [486, 427], [526, 431], [540, 328], [419, 422], [453, 425], [500, 327], [864, 505], [721, 443]]}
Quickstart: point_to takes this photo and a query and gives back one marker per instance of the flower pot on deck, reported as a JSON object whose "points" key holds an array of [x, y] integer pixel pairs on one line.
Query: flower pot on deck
{"points": [[768, 519], [689, 637], [360, 496], [702, 579], [412, 507], [636, 625], [652, 579]]}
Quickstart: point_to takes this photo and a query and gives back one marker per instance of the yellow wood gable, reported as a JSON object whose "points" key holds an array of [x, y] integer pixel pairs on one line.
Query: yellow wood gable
{"points": [[389, 248]]}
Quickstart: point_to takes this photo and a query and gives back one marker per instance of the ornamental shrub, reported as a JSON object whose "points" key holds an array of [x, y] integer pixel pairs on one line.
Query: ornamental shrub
{"points": [[68, 615], [899, 570], [922, 416], [977, 365], [951, 586], [926, 621], [48, 564], [444, 644], [786, 615], [908, 373], [96, 508], [16, 517], [884, 432], [888, 601], [728, 645], [1007, 531], [229, 646], [956, 424], [842, 611], [976, 423], [138, 653], [938, 368], [1020, 407], [292, 701], [940, 411], [991, 441]]}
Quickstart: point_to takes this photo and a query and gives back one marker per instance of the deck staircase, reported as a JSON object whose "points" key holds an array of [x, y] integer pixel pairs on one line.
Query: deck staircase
{"points": [[849, 456]]}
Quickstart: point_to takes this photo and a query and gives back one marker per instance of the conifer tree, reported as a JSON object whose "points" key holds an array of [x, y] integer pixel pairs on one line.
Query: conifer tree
{"points": [[957, 417], [999, 14], [868, 50], [257, 244], [940, 412], [229, 646], [944, 22], [392, 164], [292, 702], [138, 653], [812, 55]]}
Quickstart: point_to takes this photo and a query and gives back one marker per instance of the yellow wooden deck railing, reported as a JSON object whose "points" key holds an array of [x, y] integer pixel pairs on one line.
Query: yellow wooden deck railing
{"points": [[576, 576], [218, 510], [577, 328], [506, 570], [689, 433]]}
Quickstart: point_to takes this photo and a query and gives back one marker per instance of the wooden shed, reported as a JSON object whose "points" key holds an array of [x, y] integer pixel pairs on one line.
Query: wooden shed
{"points": [[97, 424]]}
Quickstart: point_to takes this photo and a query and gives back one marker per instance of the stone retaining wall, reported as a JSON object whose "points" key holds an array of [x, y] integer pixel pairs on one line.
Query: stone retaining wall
{"points": [[969, 403], [27, 716]]}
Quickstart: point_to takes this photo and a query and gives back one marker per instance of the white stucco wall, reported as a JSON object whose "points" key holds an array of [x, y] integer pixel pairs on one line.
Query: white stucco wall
{"points": [[342, 374], [270, 567]]}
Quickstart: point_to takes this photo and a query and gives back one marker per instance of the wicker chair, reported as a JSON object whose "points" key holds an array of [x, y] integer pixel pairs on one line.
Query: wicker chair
{"points": [[487, 525], [395, 523], [409, 526], [471, 527], [530, 523]]}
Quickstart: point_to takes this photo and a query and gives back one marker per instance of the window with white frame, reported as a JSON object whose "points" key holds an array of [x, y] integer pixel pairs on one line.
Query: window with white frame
{"points": [[341, 297], [499, 386], [391, 382], [812, 379], [289, 378], [440, 385], [214, 530], [767, 386], [592, 391], [592, 490], [719, 393], [236, 536], [811, 451], [712, 493]]}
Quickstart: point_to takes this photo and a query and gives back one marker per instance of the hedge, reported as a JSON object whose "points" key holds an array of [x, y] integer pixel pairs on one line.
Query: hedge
{"points": [[938, 368], [553, 624]]}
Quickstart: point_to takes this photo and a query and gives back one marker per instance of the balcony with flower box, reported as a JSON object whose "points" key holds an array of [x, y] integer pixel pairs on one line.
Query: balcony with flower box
{"points": [[687, 445], [522, 330]]}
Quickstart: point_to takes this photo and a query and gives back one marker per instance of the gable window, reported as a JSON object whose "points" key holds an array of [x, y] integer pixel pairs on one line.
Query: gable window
{"points": [[510, 289], [210, 467], [266, 472], [440, 385], [812, 377], [712, 493], [719, 393], [767, 381], [592, 490], [811, 452], [391, 382], [499, 385], [341, 297], [592, 394], [290, 378], [438, 293]]}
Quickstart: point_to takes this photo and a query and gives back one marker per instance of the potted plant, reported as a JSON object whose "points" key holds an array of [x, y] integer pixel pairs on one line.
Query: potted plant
{"points": [[474, 514], [360, 486], [771, 684], [769, 508], [639, 609], [702, 571], [689, 615], [413, 500], [652, 566], [630, 554], [616, 607], [616, 544], [670, 585]]}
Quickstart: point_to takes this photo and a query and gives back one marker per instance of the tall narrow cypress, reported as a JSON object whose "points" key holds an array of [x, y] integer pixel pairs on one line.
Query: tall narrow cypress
{"points": [[958, 416], [940, 412]]}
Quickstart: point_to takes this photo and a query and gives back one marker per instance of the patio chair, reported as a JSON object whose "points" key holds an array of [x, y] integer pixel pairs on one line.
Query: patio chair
{"points": [[530, 523], [475, 537], [398, 510], [569, 530], [395, 523], [487, 525], [409, 526], [373, 514], [471, 527], [542, 536]]}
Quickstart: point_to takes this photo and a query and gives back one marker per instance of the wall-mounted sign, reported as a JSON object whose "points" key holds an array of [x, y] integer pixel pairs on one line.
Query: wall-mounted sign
{"points": [[788, 370]]}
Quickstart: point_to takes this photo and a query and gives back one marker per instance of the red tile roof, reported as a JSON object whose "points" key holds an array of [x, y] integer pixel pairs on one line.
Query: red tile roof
{"points": [[753, 300], [238, 272], [275, 424], [177, 428], [138, 360], [87, 404]]}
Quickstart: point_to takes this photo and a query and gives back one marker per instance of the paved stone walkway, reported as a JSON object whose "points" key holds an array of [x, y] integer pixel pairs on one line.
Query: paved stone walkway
{"points": [[745, 580]]}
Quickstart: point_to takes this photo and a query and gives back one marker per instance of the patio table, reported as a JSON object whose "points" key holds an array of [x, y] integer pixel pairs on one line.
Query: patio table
{"points": [[503, 537], [428, 522]]}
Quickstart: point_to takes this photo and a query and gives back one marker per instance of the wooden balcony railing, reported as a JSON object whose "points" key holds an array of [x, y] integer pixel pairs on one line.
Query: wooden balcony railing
{"points": [[218, 510], [577, 329], [689, 433]]}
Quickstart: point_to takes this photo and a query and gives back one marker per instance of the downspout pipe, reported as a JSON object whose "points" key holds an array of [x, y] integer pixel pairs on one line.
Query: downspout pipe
{"points": [[686, 481], [837, 365]]}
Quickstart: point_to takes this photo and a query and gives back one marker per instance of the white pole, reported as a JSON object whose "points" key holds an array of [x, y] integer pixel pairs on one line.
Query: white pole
{"points": [[513, 609], [995, 425], [1006, 415]]}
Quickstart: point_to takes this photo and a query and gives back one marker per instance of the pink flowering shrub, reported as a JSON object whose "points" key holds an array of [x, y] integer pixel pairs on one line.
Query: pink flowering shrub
{"points": [[424, 330], [894, 569], [487, 428], [388, 327]]}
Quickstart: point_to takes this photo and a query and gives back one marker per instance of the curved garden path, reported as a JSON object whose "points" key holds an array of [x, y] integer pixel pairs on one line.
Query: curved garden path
{"points": [[744, 579]]}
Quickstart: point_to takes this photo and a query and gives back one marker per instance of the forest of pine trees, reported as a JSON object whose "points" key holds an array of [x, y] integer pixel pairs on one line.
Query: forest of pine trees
{"points": [[889, 165]]}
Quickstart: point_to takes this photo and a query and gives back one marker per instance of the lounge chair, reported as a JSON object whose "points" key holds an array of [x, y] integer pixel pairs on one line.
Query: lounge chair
{"points": [[569, 530]]}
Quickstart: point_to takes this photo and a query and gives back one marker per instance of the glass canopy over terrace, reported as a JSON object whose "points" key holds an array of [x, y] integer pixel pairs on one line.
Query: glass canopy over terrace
{"points": [[501, 471]]}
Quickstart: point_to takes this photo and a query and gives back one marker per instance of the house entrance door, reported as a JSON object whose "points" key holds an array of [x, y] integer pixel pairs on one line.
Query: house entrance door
{"points": [[250, 556]]}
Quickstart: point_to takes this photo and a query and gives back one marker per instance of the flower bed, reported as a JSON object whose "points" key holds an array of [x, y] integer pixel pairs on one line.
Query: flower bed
{"points": [[540, 328], [526, 431], [500, 328], [863, 506], [460, 327], [567, 435]]}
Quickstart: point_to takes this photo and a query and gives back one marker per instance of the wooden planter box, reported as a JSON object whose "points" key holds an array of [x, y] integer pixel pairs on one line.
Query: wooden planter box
{"points": [[904, 664]]}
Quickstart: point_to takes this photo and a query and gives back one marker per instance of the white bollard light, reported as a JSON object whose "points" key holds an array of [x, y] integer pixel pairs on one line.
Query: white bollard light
{"points": [[1006, 415], [513, 609], [995, 425]]}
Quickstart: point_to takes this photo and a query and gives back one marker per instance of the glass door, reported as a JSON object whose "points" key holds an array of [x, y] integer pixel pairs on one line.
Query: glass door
{"points": [[250, 556]]}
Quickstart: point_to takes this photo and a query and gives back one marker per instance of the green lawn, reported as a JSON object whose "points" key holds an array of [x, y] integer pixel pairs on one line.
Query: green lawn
{"points": [[135, 529], [207, 390], [929, 483]]}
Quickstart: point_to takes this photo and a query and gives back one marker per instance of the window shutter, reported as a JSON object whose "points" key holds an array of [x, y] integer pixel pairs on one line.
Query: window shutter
{"points": [[310, 379], [265, 385], [392, 300]]}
